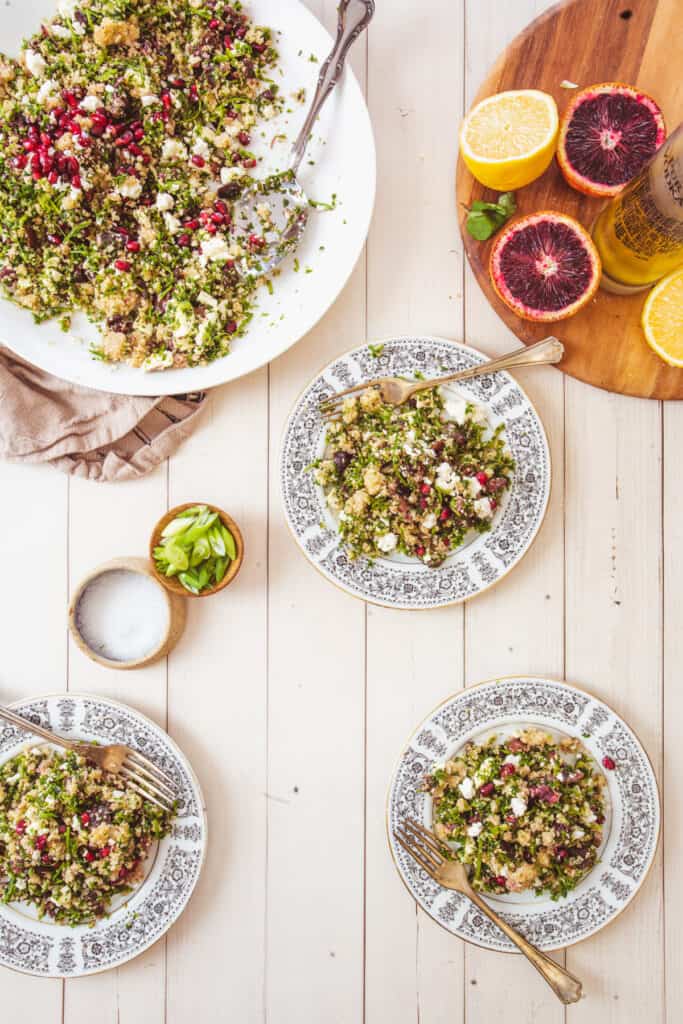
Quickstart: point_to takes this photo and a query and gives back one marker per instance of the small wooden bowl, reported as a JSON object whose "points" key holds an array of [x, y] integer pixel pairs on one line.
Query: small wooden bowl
{"points": [[170, 582], [176, 614]]}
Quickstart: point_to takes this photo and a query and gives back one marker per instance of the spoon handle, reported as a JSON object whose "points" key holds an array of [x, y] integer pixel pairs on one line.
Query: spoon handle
{"points": [[566, 987], [354, 17]]}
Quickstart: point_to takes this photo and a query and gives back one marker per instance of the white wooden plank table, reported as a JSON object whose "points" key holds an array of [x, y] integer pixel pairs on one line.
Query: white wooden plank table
{"points": [[293, 701]]}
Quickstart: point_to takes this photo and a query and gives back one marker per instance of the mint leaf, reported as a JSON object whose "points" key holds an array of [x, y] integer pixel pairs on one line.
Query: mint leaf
{"points": [[484, 219]]}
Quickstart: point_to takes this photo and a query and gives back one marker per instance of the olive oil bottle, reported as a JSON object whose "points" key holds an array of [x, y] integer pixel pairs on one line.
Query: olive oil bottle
{"points": [[639, 234]]}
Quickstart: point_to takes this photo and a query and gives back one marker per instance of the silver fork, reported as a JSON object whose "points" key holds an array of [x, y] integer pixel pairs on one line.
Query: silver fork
{"points": [[137, 770], [433, 856], [395, 391]]}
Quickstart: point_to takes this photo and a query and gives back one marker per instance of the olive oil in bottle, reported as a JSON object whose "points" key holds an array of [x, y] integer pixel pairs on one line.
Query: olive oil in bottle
{"points": [[639, 234]]}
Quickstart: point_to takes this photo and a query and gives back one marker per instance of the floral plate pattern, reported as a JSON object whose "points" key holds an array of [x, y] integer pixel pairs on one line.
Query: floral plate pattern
{"points": [[50, 950], [398, 582], [632, 825]]}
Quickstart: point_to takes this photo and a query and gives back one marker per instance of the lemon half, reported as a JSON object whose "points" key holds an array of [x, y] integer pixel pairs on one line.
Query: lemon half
{"points": [[663, 319], [508, 140]]}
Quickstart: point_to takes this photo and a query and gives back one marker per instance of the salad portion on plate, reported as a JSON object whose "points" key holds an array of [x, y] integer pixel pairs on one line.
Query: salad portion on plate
{"points": [[545, 795], [415, 478], [423, 504], [90, 874]]}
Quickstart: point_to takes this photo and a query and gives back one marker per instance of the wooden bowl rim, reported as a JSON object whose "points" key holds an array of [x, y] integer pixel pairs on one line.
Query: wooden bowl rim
{"points": [[176, 613], [169, 582]]}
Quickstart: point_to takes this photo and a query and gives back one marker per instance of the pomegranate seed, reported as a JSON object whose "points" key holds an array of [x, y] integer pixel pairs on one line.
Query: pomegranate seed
{"points": [[501, 880], [124, 139], [516, 745], [105, 851], [487, 789], [123, 872], [69, 99], [493, 503], [121, 231], [133, 246], [446, 542], [35, 161], [256, 241], [184, 240], [194, 92], [191, 225], [122, 265], [205, 216], [214, 24], [37, 174], [84, 142], [76, 181], [177, 83], [98, 129], [41, 842], [20, 162], [482, 478], [134, 149], [258, 47], [166, 100], [31, 146], [146, 159], [560, 852], [420, 550], [139, 134], [507, 769], [211, 228], [218, 218], [423, 503], [20, 827], [608, 763], [89, 855], [57, 113], [445, 514], [198, 160], [54, 239], [249, 163], [227, 42], [244, 137], [425, 489], [220, 206], [85, 818], [511, 819], [61, 829], [231, 327]]}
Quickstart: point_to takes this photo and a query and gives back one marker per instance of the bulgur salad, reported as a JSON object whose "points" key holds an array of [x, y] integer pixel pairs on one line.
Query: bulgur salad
{"points": [[415, 478], [71, 837], [525, 812], [126, 130]]}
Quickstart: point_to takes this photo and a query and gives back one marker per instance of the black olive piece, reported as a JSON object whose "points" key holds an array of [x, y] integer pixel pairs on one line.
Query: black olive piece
{"points": [[341, 461]]}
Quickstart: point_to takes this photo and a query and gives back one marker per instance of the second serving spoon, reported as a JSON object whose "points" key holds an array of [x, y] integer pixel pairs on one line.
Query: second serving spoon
{"points": [[289, 206]]}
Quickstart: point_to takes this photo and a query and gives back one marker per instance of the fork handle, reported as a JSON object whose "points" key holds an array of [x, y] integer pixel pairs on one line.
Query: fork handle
{"points": [[566, 987], [550, 350], [23, 723]]}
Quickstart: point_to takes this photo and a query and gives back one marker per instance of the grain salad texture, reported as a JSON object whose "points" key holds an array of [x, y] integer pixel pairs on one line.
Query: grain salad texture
{"points": [[71, 836], [126, 130], [414, 479], [524, 812]]}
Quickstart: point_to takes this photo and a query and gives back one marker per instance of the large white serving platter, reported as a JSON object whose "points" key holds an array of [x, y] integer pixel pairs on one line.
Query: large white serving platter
{"points": [[342, 163]]}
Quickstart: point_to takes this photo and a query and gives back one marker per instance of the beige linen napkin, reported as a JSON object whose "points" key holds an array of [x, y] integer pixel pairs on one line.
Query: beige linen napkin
{"points": [[88, 433]]}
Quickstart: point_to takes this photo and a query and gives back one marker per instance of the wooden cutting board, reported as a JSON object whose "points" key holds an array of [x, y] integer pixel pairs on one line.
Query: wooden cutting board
{"points": [[589, 41]]}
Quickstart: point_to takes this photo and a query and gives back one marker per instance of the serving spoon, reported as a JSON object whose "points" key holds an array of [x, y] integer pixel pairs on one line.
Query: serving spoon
{"points": [[289, 206]]}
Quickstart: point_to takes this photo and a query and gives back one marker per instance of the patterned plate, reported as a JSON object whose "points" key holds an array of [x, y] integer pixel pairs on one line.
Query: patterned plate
{"points": [[632, 823], [397, 582], [57, 951]]}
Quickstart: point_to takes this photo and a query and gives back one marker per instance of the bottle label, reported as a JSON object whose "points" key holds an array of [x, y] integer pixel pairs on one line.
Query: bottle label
{"points": [[641, 222]]}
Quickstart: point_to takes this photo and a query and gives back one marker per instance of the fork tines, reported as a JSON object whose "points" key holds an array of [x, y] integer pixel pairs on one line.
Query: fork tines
{"points": [[149, 781], [422, 845]]}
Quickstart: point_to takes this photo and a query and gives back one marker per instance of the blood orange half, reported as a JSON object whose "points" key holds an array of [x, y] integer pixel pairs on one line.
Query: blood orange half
{"points": [[607, 135], [545, 267]]}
